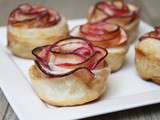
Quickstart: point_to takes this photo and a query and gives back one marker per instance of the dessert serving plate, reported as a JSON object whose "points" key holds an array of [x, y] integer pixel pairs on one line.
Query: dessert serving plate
{"points": [[125, 89]]}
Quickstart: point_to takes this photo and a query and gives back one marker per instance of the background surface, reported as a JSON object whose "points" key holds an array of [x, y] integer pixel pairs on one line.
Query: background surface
{"points": [[78, 8], [73, 9]]}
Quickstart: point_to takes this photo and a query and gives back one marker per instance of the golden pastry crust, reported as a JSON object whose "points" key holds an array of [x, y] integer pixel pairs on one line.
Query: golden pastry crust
{"points": [[131, 29], [21, 41], [69, 90], [116, 56], [147, 59]]}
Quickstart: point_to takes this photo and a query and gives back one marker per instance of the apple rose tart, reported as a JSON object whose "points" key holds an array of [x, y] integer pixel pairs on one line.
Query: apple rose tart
{"points": [[106, 35], [117, 12], [70, 72], [30, 26], [147, 56]]}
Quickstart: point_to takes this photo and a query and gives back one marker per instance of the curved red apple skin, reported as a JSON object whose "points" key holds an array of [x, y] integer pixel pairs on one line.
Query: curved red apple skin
{"points": [[103, 34], [28, 15], [116, 12], [54, 61], [153, 34]]}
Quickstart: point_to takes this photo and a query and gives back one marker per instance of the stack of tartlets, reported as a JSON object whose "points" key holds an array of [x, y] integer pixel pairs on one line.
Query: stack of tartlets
{"points": [[72, 67]]}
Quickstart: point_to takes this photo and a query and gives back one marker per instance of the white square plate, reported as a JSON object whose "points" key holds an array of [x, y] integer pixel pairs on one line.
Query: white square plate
{"points": [[125, 88]]}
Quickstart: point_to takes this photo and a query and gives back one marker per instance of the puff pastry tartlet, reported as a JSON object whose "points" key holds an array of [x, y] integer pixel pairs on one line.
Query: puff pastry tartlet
{"points": [[117, 12], [148, 56], [70, 72], [109, 36], [30, 26]]}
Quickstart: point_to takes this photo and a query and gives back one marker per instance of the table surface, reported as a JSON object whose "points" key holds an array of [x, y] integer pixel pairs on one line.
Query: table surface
{"points": [[150, 9]]}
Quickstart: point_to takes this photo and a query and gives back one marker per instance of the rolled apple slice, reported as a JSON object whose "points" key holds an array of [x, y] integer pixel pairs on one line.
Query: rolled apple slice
{"points": [[103, 34], [108, 36], [108, 11], [59, 59], [117, 12], [153, 34], [33, 16]]}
